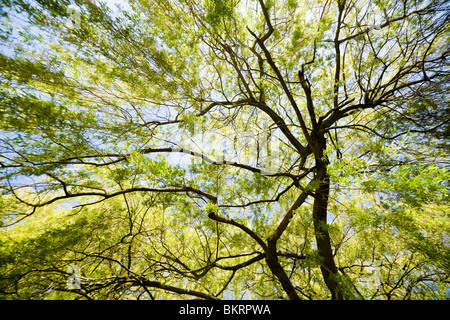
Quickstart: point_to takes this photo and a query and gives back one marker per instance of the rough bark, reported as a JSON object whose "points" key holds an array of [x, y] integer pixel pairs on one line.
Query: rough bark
{"points": [[322, 235]]}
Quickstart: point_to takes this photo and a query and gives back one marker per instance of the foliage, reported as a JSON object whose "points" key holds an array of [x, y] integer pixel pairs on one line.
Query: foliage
{"points": [[224, 149]]}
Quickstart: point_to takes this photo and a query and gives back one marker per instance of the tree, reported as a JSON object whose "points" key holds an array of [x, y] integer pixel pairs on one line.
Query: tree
{"points": [[224, 149]]}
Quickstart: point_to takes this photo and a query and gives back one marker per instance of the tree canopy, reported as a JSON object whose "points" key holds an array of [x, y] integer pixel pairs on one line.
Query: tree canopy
{"points": [[236, 149]]}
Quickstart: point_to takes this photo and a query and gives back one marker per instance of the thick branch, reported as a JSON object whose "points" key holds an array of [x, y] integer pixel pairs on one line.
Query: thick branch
{"points": [[370, 130], [251, 233], [156, 284], [287, 218], [105, 195], [285, 88]]}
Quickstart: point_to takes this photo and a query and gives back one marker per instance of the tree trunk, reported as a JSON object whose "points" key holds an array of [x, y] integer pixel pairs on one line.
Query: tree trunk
{"points": [[328, 266]]}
